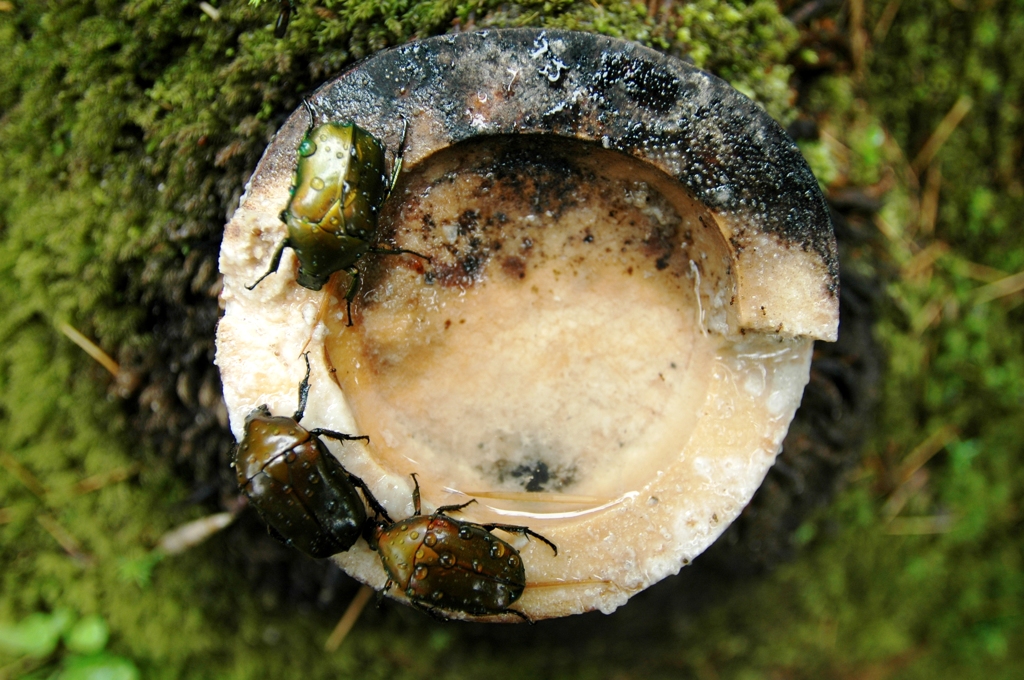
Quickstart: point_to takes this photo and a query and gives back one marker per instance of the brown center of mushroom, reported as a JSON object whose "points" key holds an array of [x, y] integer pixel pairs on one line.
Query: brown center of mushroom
{"points": [[551, 356]]}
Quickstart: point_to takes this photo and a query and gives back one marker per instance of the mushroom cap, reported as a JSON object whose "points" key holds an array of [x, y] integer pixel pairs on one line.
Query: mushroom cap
{"points": [[656, 431]]}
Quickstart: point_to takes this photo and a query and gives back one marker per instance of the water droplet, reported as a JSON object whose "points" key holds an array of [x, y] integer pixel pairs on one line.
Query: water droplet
{"points": [[513, 561], [465, 533], [430, 540], [404, 527], [414, 535], [497, 550], [447, 560], [477, 567], [317, 183], [420, 554], [437, 595], [420, 572], [307, 148]]}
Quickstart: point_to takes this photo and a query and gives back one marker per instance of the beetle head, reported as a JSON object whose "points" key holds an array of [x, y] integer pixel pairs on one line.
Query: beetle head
{"points": [[372, 531], [261, 411]]}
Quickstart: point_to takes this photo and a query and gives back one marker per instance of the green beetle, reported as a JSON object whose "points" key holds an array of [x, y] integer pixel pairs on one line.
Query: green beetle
{"points": [[305, 496], [445, 564], [339, 188]]}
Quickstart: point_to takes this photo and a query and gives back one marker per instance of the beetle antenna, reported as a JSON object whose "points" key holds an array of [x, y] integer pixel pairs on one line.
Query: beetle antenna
{"points": [[303, 392]]}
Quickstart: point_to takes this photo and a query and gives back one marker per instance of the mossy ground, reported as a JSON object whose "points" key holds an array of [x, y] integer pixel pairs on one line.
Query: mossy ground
{"points": [[126, 134]]}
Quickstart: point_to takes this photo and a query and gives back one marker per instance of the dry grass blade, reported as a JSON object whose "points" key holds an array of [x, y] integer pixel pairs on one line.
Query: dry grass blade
{"points": [[210, 11], [942, 132], [91, 348], [64, 538], [884, 22], [901, 246], [929, 209], [23, 475], [191, 534], [909, 478], [913, 526], [978, 272], [924, 452], [97, 482], [923, 261], [858, 37], [348, 619], [1001, 288]]}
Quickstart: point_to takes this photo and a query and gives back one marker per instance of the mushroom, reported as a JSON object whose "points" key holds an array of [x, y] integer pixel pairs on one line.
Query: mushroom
{"points": [[629, 262]]}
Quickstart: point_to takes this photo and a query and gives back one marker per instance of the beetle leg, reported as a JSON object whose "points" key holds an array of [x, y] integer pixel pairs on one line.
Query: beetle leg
{"points": [[397, 251], [309, 110], [303, 392], [275, 261], [524, 531], [351, 293], [398, 157], [453, 508], [370, 499], [416, 495], [434, 612], [383, 591], [521, 615], [340, 436]]}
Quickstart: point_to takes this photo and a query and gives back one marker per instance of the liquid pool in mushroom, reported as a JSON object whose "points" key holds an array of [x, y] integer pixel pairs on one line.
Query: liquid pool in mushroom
{"points": [[629, 262]]}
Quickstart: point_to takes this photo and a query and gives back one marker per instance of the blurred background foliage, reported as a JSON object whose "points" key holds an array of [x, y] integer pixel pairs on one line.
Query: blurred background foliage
{"points": [[127, 131]]}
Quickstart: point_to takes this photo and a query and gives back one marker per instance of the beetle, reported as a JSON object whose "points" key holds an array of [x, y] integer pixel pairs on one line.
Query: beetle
{"points": [[336, 197], [281, 25], [304, 495], [446, 564]]}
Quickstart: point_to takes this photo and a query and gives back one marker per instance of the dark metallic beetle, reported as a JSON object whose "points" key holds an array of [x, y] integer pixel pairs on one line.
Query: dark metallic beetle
{"points": [[444, 564], [339, 188], [299, 488], [281, 26]]}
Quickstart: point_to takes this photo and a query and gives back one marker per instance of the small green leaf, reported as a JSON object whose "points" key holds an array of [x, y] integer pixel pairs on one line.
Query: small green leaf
{"points": [[88, 636], [99, 667], [37, 634]]}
